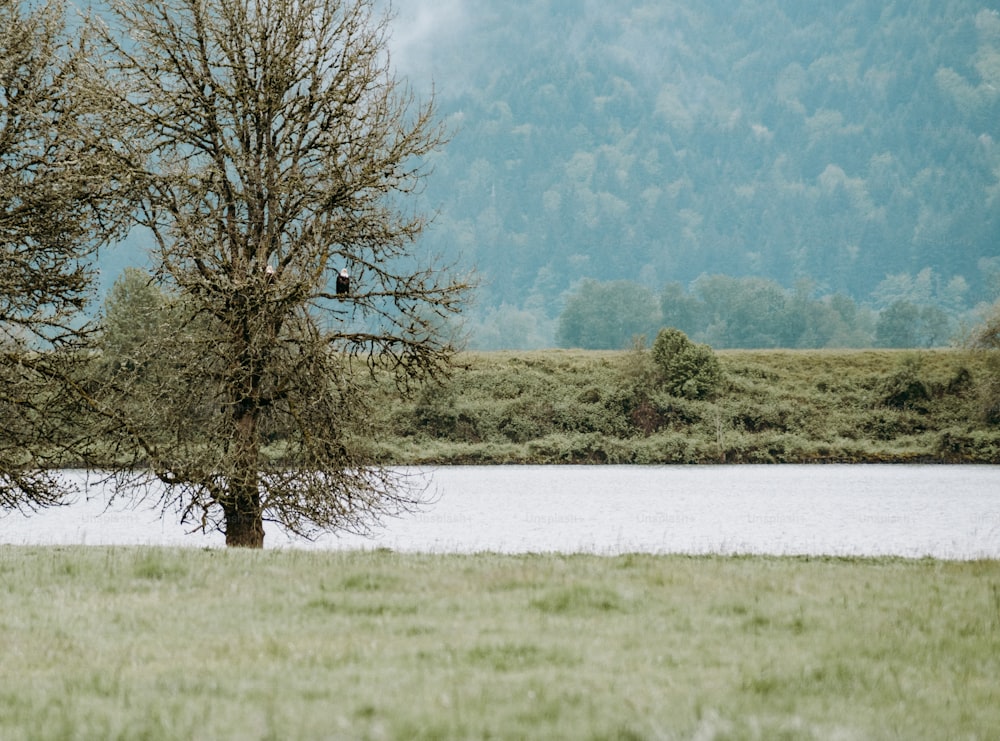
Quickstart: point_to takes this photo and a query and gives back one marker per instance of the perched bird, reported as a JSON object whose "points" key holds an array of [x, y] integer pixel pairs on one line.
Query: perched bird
{"points": [[343, 282]]}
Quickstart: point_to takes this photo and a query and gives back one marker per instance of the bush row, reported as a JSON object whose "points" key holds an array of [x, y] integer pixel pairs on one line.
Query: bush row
{"points": [[744, 406]]}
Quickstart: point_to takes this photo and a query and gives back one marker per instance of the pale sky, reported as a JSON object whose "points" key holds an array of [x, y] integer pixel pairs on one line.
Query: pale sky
{"points": [[419, 26]]}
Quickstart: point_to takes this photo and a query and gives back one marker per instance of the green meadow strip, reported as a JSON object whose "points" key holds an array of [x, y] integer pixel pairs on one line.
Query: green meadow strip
{"points": [[772, 406], [155, 643]]}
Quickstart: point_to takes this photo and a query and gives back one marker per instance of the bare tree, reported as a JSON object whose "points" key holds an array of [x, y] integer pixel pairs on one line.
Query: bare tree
{"points": [[57, 206], [275, 148]]}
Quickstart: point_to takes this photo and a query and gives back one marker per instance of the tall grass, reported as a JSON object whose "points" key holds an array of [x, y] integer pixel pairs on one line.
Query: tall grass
{"points": [[148, 643], [771, 407]]}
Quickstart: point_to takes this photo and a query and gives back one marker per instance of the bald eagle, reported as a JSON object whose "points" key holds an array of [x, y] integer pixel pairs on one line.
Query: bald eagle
{"points": [[343, 282]]}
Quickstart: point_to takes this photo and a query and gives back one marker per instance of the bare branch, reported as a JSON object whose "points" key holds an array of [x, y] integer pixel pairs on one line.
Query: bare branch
{"points": [[59, 203], [274, 147]]}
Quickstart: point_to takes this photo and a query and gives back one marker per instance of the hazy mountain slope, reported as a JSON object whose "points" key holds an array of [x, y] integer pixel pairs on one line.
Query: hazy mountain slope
{"points": [[655, 141], [658, 140]]}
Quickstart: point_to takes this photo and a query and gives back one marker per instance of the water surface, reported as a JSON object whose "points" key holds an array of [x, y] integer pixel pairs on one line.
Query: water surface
{"points": [[950, 512]]}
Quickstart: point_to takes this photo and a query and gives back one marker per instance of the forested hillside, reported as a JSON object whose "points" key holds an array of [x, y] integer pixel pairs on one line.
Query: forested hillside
{"points": [[839, 143], [848, 149]]}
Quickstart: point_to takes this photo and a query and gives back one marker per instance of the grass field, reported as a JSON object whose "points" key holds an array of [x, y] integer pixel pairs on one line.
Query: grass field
{"points": [[773, 406], [147, 643], [617, 407]]}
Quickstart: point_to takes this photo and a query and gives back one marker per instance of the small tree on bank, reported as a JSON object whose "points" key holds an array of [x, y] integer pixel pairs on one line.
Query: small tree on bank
{"points": [[685, 368], [57, 206], [274, 147]]}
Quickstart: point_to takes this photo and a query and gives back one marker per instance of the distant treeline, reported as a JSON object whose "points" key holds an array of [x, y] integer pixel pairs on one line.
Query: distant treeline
{"points": [[661, 140], [728, 312]]}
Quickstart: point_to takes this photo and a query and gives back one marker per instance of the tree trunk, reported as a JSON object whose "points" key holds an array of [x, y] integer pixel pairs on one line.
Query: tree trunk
{"points": [[244, 518], [244, 524]]}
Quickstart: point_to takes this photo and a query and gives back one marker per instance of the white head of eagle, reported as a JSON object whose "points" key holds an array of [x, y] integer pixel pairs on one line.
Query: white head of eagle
{"points": [[343, 282]]}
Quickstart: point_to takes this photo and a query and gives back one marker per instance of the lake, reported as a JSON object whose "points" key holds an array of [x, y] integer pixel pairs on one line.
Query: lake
{"points": [[948, 512]]}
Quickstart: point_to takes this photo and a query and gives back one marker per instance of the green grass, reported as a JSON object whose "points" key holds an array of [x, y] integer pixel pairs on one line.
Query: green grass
{"points": [[147, 643], [773, 406]]}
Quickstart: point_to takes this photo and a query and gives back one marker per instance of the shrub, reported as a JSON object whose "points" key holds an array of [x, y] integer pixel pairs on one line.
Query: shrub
{"points": [[989, 390], [904, 389], [987, 339], [967, 446], [525, 419], [434, 411], [754, 416], [685, 368]]}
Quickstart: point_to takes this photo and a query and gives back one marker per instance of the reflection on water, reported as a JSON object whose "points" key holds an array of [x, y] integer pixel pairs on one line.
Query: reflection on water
{"points": [[940, 511]]}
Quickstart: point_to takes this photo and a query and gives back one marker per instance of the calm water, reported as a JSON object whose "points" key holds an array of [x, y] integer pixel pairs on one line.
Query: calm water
{"points": [[942, 511]]}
